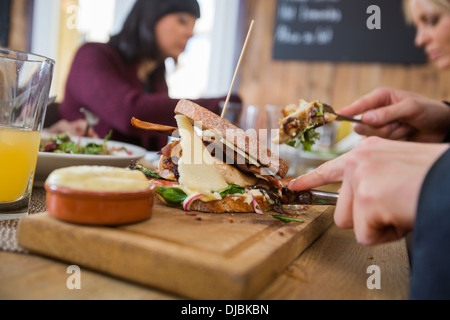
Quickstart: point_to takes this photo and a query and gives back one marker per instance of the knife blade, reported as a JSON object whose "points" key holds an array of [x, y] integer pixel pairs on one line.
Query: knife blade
{"points": [[313, 197]]}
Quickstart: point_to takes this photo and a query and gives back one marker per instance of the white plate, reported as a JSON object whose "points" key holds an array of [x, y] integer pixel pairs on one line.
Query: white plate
{"points": [[48, 162]]}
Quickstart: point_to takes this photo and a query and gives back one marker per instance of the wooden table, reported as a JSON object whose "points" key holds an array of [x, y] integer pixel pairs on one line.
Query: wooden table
{"points": [[333, 268]]}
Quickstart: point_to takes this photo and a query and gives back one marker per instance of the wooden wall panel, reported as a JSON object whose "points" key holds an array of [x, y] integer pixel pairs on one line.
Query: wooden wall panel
{"points": [[265, 81], [20, 24]]}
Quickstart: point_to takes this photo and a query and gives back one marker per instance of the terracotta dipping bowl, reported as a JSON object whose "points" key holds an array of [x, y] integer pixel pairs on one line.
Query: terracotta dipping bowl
{"points": [[99, 208]]}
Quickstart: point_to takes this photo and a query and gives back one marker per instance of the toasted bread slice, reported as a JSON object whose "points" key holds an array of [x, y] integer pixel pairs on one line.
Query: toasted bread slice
{"points": [[234, 135], [229, 204]]}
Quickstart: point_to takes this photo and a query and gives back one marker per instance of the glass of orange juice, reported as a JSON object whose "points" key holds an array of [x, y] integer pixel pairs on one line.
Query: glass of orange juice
{"points": [[25, 81]]}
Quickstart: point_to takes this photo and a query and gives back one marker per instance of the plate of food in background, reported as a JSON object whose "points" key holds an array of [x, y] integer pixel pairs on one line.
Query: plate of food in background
{"points": [[61, 151]]}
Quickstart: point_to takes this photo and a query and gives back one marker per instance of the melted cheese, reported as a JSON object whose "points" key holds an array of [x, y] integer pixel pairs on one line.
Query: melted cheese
{"points": [[250, 194], [196, 167], [98, 179]]}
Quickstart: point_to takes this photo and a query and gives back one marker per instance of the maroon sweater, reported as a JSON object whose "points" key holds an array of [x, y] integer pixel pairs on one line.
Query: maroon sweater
{"points": [[102, 82]]}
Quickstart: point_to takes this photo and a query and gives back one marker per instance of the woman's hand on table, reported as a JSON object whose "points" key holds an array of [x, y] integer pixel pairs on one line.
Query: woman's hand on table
{"points": [[400, 115], [381, 183], [76, 128]]}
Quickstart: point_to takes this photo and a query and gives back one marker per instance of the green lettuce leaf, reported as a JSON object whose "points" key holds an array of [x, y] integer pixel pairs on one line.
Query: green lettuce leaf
{"points": [[308, 139], [286, 219], [232, 189], [173, 196]]}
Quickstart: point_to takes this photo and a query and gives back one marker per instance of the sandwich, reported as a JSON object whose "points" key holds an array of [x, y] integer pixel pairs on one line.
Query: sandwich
{"points": [[297, 128], [213, 166]]}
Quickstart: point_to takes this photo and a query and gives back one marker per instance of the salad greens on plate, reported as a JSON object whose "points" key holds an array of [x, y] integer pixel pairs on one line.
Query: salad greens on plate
{"points": [[64, 144]]}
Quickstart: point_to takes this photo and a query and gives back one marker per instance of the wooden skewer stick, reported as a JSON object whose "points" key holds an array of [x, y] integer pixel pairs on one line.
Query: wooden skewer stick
{"points": [[237, 70]]}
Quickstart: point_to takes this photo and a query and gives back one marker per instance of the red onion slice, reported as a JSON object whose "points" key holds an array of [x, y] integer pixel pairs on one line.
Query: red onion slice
{"points": [[189, 200], [256, 207]]}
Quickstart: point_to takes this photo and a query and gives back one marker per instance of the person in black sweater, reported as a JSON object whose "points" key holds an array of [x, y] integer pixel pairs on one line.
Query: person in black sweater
{"points": [[391, 188], [396, 181]]}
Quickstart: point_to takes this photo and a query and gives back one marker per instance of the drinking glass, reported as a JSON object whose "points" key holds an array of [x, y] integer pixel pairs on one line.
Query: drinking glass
{"points": [[25, 81]]}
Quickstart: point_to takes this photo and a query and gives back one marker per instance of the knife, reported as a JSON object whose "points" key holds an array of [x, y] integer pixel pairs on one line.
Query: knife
{"points": [[313, 197]]}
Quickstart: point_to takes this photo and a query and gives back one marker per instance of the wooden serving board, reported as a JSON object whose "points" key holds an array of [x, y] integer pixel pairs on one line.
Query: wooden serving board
{"points": [[206, 256]]}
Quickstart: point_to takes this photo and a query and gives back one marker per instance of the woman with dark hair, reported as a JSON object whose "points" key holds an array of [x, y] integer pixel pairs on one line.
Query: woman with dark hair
{"points": [[125, 77]]}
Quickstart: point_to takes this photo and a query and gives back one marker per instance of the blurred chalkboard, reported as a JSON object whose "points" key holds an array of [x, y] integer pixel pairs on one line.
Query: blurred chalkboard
{"points": [[4, 22], [344, 30]]}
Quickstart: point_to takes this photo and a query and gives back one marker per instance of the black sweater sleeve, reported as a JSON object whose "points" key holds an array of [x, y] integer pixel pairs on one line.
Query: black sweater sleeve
{"points": [[447, 138], [431, 255]]}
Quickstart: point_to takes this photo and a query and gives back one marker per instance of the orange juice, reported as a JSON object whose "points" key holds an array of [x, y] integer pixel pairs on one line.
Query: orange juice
{"points": [[18, 156]]}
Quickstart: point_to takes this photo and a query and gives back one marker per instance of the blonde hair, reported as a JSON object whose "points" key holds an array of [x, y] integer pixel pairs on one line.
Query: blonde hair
{"points": [[440, 5]]}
